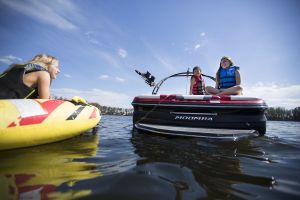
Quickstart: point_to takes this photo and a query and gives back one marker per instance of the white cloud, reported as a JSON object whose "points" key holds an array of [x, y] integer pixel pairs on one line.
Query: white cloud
{"points": [[192, 48], [67, 75], [109, 59], [91, 36], [103, 77], [165, 62], [122, 53], [10, 59], [94, 41], [202, 41], [162, 58], [119, 79], [197, 46], [49, 12], [104, 98], [106, 77], [275, 95]]}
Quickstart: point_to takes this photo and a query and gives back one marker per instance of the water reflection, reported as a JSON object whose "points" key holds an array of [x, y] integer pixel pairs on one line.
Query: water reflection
{"points": [[216, 165], [36, 172]]}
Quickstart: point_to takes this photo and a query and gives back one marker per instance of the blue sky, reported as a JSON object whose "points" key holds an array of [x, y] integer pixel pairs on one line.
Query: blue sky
{"points": [[100, 43]]}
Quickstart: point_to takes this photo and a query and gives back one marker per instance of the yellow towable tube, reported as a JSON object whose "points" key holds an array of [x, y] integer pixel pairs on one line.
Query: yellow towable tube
{"points": [[30, 122], [37, 172]]}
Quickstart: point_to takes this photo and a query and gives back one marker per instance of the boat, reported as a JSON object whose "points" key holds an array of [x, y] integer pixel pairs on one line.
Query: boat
{"points": [[209, 116], [31, 122]]}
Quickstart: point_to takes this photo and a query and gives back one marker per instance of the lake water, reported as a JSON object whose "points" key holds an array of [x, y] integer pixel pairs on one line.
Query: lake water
{"points": [[119, 163]]}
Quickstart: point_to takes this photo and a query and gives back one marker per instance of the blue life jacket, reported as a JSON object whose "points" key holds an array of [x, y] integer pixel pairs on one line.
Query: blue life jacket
{"points": [[227, 77]]}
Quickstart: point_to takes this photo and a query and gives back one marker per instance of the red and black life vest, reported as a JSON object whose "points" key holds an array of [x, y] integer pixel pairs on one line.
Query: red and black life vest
{"points": [[199, 86]]}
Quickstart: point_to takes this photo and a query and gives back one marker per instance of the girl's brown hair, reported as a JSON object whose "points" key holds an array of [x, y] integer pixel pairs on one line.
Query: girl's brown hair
{"points": [[218, 72]]}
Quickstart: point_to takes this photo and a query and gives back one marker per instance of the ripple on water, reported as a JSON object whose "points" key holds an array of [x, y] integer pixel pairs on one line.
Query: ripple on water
{"points": [[126, 164]]}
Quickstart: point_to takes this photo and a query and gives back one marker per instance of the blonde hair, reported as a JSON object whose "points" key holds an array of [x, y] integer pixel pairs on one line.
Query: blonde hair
{"points": [[44, 60]]}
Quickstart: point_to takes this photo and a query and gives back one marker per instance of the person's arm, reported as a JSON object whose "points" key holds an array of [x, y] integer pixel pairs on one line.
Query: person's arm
{"points": [[238, 77], [44, 85], [203, 85], [191, 85], [217, 82]]}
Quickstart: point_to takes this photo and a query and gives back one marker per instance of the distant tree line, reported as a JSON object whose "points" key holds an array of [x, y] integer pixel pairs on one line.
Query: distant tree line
{"points": [[273, 113], [280, 113], [106, 110]]}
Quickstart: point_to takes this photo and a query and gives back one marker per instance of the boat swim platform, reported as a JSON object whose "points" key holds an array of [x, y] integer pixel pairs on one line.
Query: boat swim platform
{"points": [[210, 133]]}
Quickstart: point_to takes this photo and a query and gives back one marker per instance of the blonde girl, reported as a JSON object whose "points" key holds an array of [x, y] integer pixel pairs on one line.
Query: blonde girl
{"points": [[31, 79]]}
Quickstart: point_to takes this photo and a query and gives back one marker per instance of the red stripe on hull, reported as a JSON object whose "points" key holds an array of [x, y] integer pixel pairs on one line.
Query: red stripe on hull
{"points": [[94, 114], [48, 106]]}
